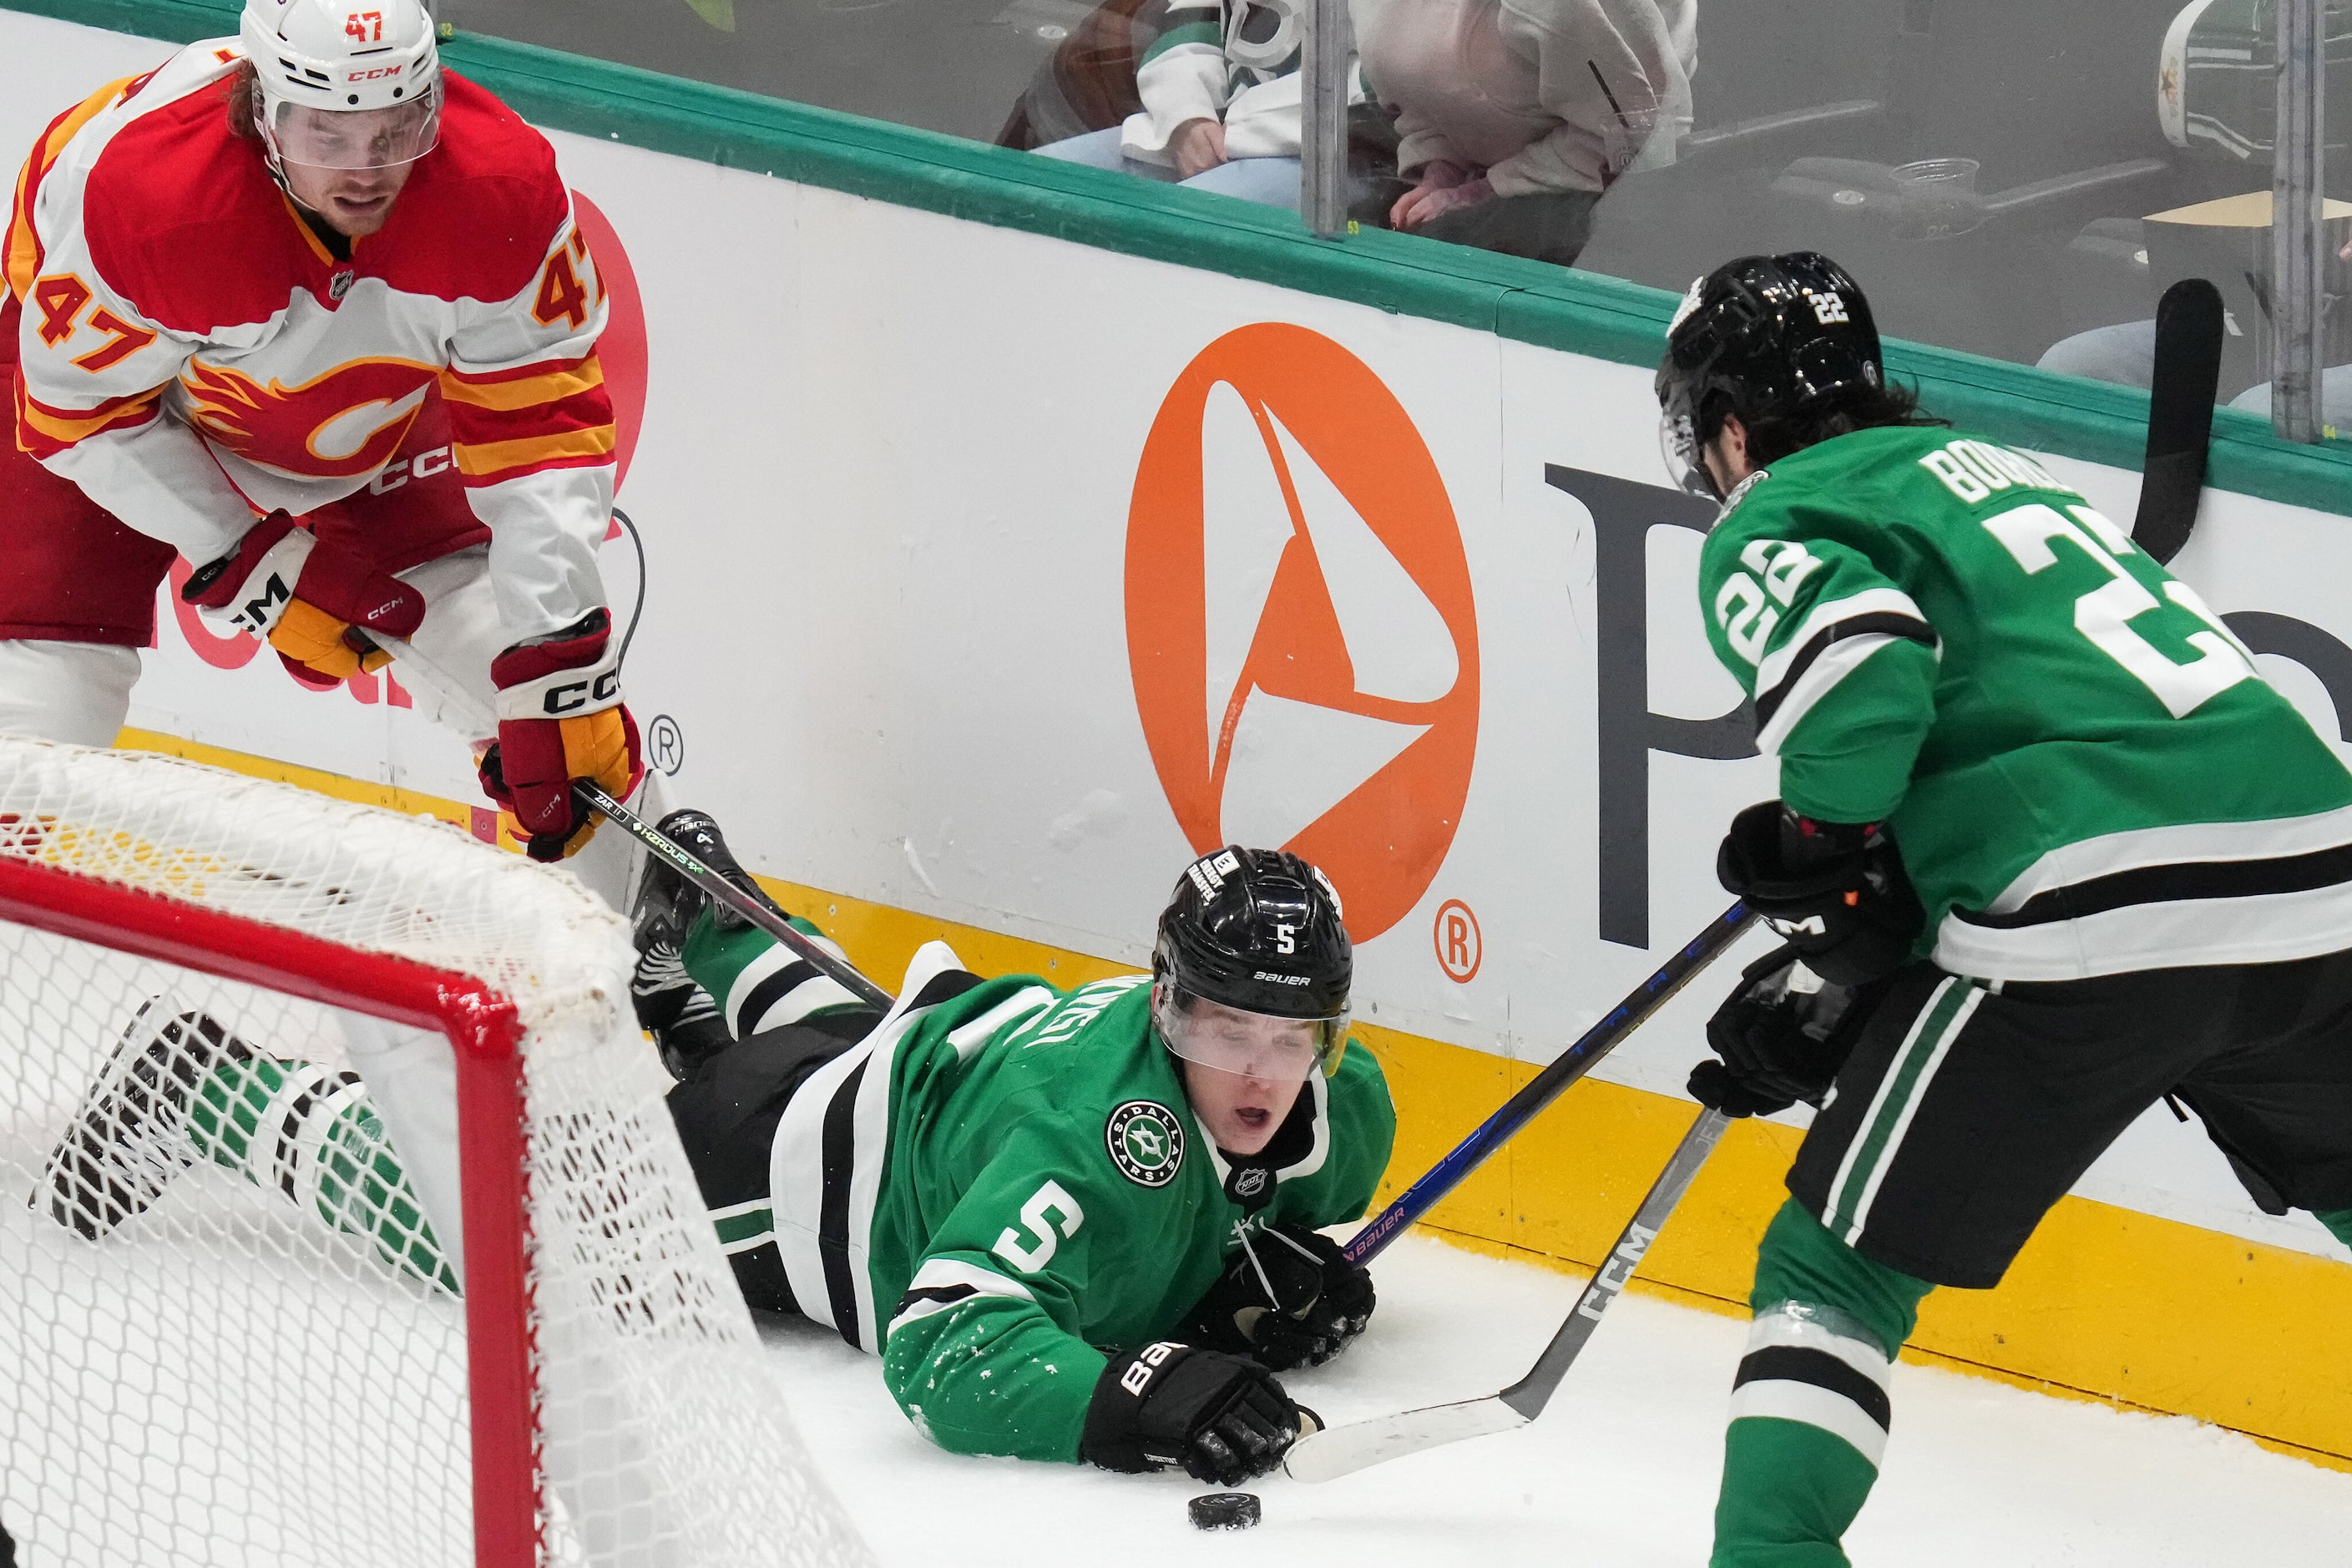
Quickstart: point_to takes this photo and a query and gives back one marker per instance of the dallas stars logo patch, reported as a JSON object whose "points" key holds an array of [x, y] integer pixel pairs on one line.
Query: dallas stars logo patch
{"points": [[1146, 1143]]}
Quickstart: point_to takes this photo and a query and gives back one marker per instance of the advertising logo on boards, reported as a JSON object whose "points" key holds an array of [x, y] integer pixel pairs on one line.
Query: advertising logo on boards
{"points": [[1300, 628]]}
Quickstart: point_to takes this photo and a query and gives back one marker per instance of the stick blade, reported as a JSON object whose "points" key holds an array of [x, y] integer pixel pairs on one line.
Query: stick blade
{"points": [[2187, 373], [1343, 1450]]}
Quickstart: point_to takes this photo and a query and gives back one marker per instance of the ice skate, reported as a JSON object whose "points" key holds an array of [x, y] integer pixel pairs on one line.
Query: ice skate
{"points": [[129, 1137]]}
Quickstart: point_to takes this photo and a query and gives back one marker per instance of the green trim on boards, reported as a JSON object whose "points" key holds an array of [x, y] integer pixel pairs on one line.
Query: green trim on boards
{"points": [[1527, 302]]}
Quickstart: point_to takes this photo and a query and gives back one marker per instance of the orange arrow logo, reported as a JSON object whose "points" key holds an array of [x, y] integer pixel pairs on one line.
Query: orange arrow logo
{"points": [[1300, 627]]}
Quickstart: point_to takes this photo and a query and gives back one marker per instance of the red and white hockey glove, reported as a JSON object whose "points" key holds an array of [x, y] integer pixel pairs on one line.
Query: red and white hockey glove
{"points": [[313, 602], [559, 719]]}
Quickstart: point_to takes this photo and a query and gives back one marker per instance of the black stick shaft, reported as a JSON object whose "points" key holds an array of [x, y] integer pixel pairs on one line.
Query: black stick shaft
{"points": [[2182, 384], [1549, 1084], [1532, 1393], [591, 795]]}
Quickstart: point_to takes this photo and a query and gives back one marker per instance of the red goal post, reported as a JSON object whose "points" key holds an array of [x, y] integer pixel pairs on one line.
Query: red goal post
{"points": [[613, 1407]]}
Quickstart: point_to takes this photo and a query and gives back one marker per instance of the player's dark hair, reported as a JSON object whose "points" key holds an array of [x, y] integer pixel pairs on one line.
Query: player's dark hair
{"points": [[1773, 436]]}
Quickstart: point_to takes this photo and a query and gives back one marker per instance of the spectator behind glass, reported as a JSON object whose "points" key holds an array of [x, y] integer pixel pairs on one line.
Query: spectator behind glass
{"points": [[1513, 116], [1219, 86]]}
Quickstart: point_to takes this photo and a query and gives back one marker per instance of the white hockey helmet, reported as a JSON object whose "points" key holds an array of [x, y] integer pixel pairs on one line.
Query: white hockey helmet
{"points": [[345, 84]]}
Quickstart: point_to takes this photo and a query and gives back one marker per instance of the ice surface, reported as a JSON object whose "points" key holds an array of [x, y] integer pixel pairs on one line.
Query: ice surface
{"points": [[1619, 1472]]}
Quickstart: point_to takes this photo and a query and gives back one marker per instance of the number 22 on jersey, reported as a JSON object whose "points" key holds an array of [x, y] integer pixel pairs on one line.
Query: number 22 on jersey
{"points": [[2105, 615]]}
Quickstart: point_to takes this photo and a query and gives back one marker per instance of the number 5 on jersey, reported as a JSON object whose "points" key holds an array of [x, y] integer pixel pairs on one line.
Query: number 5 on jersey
{"points": [[1036, 1215]]}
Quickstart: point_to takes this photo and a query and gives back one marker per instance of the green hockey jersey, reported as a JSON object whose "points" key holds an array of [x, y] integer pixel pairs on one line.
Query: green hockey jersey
{"points": [[2083, 769], [1005, 1179]]}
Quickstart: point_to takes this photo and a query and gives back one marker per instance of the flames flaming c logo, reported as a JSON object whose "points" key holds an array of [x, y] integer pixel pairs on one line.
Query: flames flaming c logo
{"points": [[340, 425]]}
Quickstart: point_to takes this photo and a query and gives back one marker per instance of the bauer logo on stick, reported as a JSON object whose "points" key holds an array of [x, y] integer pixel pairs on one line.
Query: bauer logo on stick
{"points": [[1146, 1143]]}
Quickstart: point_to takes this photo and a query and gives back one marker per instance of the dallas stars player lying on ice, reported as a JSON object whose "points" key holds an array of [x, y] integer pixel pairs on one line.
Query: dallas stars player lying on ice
{"points": [[2048, 848], [1074, 1224]]}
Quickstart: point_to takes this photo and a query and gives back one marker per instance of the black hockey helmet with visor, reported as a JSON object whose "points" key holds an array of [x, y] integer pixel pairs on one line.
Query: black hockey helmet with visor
{"points": [[1761, 337], [1251, 969]]}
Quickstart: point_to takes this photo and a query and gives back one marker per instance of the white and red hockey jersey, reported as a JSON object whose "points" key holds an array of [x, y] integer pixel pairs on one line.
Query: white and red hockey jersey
{"points": [[193, 356]]}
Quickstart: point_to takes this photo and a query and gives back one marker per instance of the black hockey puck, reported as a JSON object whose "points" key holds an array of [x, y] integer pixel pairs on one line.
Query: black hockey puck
{"points": [[1223, 1510]]}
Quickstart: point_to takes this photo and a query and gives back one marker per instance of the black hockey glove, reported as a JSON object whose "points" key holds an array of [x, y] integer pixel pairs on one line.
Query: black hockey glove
{"points": [[1220, 1418], [1289, 1296], [1835, 891], [1780, 1043]]}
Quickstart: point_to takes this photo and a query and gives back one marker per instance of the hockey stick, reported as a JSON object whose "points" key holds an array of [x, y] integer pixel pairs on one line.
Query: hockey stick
{"points": [[1343, 1450], [1549, 1084], [2182, 387], [659, 843], [592, 795], [1443, 1178]]}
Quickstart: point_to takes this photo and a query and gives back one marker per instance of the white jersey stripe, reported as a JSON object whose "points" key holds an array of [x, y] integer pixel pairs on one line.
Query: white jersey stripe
{"points": [[1830, 1215], [1777, 1329], [1919, 1088], [1774, 669], [818, 991], [945, 1273], [2260, 928], [2184, 843], [1820, 677], [1813, 1406], [968, 1037]]}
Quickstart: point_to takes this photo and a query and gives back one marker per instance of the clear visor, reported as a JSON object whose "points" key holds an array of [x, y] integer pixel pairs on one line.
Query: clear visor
{"points": [[1253, 1044], [1678, 443], [356, 138]]}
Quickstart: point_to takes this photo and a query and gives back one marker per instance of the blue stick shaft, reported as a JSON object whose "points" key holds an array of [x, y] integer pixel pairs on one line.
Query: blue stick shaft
{"points": [[1548, 1085]]}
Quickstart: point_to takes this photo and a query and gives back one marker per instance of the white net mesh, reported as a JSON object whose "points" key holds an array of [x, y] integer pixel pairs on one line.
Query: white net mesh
{"points": [[229, 1330]]}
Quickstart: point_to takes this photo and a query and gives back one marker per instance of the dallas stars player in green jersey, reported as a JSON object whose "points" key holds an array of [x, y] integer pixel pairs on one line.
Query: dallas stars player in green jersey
{"points": [[1074, 1224], [2048, 848]]}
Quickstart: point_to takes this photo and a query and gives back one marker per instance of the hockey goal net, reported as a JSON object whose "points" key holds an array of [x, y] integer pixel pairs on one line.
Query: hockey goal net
{"points": [[342, 1220]]}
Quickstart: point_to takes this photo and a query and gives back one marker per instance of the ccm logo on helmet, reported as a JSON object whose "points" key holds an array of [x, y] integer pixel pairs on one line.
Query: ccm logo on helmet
{"points": [[574, 694], [376, 75]]}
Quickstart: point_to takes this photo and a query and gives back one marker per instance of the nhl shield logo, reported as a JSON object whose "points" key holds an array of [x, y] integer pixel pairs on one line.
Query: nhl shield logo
{"points": [[1146, 1143], [339, 285]]}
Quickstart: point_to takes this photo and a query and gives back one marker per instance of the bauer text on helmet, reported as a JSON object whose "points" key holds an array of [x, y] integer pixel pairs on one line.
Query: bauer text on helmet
{"points": [[1252, 965]]}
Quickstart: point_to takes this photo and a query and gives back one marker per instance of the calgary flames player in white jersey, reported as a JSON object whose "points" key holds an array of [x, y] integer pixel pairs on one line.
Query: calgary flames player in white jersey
{"points": [[243, 290]]}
